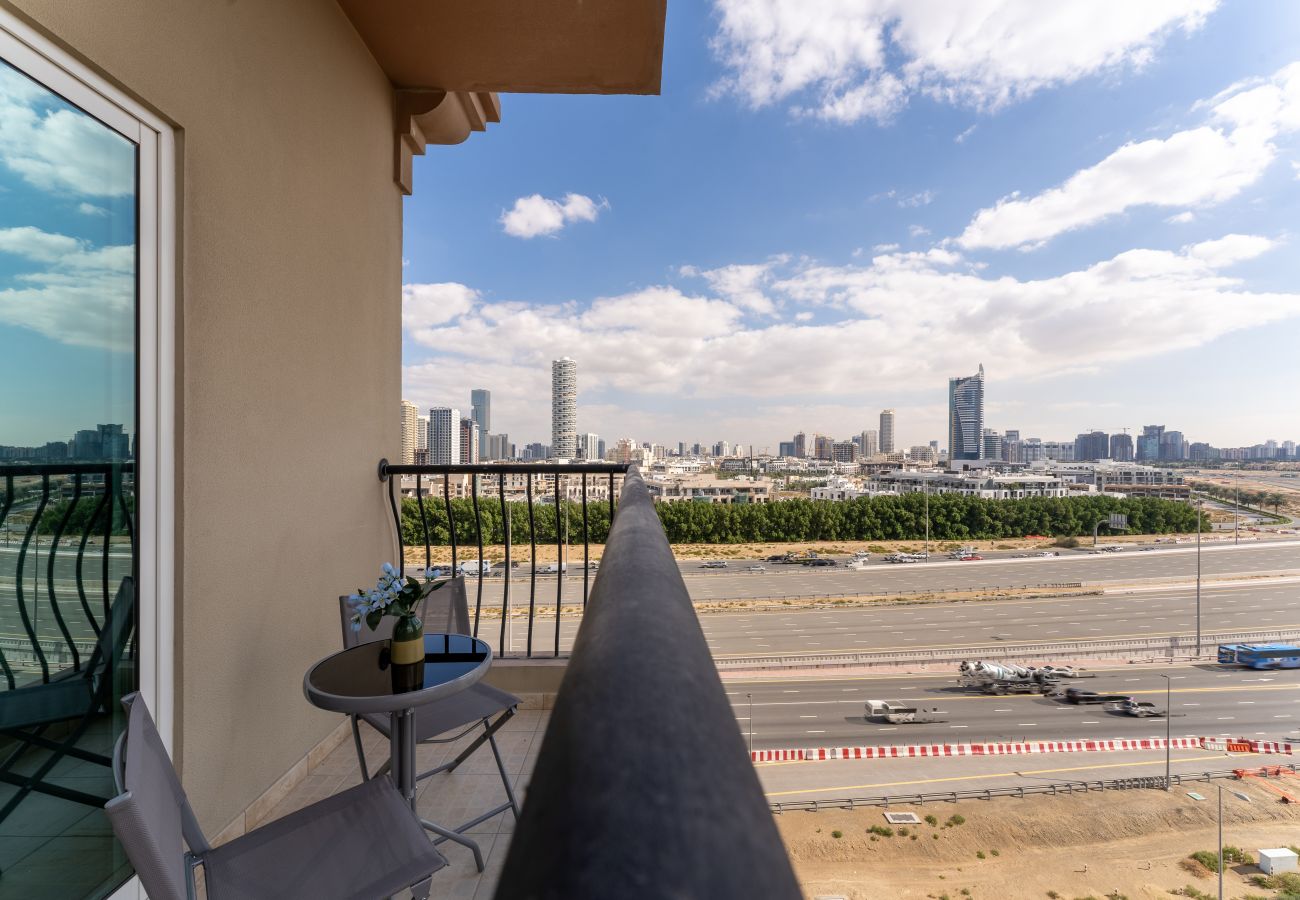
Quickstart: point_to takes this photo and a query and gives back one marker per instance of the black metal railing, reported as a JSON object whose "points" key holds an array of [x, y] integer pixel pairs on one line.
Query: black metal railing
{"points": [[431, 498], [643, 786], [79, 514]]}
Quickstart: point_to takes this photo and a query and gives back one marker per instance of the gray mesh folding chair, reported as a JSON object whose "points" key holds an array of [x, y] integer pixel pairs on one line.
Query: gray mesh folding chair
{"points": [[363, 842], [445, 611], [75, 697]]}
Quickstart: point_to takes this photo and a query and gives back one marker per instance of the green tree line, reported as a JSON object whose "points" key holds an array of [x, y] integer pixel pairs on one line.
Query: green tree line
{"points": [[1257, 499], [85, 516], [953, 517]]}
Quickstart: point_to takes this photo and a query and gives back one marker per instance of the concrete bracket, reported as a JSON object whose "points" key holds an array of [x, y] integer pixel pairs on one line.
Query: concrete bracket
{"points": [[424, 117]]}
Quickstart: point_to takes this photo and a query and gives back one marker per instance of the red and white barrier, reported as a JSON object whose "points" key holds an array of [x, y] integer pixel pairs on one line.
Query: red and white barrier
{"points": [[912, 751]]}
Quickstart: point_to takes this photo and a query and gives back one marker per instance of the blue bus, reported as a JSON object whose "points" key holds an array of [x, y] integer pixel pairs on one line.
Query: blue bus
{"points": [[1261, 656]]}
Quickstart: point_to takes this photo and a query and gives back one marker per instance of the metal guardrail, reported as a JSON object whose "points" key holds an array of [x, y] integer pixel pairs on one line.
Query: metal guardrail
{"points": [[493, 476], [1054, 787], [1001, 650], [643, 776], [57, 516]]}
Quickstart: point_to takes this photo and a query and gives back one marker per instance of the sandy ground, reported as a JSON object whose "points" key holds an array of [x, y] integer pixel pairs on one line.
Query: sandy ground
{"points": [[1080, 845], [546, 552]]}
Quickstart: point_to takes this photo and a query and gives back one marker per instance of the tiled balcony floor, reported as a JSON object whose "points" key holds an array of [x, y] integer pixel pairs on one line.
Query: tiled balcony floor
{"points": [[446, 798], [51, 849]]}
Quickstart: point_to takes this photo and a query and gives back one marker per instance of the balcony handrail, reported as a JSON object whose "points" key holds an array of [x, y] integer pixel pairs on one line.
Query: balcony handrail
{"points": [[34, 649], [484, 478], [563, 468], [643, 786]]}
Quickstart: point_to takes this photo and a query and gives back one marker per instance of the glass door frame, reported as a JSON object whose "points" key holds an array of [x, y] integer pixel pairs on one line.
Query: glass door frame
{"points": [[156, 339]]}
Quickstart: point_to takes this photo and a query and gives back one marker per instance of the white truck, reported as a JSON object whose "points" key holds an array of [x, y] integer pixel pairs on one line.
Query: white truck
{"points": [[896, 712]]}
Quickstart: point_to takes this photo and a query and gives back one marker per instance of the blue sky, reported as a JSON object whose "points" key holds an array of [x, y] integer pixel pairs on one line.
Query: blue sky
{"points": [[67, 268], [830, 212]]}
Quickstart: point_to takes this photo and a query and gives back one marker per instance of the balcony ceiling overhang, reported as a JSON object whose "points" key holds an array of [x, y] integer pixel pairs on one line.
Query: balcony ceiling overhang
{"points": [[448, 59], [515, 46]]}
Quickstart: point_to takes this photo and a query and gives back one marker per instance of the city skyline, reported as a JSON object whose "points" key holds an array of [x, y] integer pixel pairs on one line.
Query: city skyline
{"points": [[1103, 221], [966, 416]]}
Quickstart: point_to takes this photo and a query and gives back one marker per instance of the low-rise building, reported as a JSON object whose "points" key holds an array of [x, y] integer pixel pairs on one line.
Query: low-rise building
{"points": [[989, 486], [708, 489]]}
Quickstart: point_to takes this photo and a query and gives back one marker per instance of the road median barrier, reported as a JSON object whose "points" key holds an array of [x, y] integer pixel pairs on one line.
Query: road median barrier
{"points": [[1016, 748]]}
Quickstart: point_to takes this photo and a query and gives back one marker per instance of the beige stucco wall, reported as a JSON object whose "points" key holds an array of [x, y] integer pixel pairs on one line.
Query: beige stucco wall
{"points": [[290, 378]]}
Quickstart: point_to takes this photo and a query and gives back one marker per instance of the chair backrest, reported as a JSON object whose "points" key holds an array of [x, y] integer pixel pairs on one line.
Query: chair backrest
{"points": [[115, 633], [152, 815], [445, 611]]}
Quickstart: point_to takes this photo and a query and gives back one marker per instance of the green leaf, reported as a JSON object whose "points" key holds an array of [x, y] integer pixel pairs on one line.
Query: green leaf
{"points": [[372, 619]]}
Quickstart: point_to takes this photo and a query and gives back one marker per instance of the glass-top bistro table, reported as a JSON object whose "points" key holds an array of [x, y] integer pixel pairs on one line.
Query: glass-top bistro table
{"points": [[363, 679]]}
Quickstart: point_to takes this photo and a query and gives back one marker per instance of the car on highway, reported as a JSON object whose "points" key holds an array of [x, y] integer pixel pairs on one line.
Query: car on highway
{"points": [[780, 557], [819, 561], [1140, 709], [715, 564], [1047, 553], [970, 557], [1059, 671], [757, 568], [1080, 696], [475, 568]]}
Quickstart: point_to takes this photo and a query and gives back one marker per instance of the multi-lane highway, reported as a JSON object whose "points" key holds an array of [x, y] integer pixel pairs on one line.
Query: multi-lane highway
{"points": [[1207, 701], [1071, 566], [1272, 604]]}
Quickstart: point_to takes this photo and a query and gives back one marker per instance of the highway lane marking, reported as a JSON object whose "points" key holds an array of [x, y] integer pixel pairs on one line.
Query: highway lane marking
{"points": [[1062, 706], [1009, 643], [1021, 774], [885, 676]]}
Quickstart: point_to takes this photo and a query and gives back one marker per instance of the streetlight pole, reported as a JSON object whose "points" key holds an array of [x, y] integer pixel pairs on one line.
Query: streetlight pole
{"points": [[1236, 504], [1169, 712], [1220, 817], [1198, 579], [750, 697], [926, 486]]}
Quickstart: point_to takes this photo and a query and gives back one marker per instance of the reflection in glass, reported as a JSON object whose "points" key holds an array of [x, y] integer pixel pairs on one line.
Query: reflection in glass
{"points": [[68, 258]]}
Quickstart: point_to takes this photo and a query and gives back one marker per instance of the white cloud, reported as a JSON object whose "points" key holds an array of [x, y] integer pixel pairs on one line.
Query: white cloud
{"points": [[923, 198], [1186, 217], [426, 307], [917, 230], [743, 285], [885, 248], [1196, 167], [1229, 249], [535, 215], [659, 345], [864, 59], [78, 294], [90, 209], [961, 138], [56, 148]]}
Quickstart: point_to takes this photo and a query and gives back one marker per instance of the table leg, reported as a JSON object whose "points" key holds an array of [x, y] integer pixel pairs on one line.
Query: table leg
{"points": [[401, 752], [402, 757]]}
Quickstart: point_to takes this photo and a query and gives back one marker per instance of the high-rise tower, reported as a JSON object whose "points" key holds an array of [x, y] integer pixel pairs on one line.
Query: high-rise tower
{"points": [[444, 436], [410, 431], [564, 408], [965, 416], [481, 402], [886, 431]]}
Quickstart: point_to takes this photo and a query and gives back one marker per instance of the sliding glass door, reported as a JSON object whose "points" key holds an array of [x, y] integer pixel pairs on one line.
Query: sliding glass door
{"points": [[76, 282]]}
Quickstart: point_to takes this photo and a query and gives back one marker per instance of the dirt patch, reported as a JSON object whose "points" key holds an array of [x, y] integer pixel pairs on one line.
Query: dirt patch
{"points": [[522, 554], [1079, 845]]}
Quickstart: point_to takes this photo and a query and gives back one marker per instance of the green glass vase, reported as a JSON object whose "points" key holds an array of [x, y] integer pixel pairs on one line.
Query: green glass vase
{"points": [[407, 653]]}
